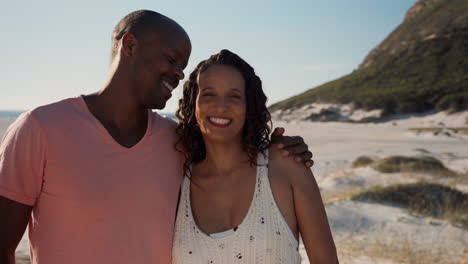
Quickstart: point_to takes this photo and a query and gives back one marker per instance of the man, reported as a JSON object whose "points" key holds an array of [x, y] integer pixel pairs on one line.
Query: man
{"points": [[97, 176]]}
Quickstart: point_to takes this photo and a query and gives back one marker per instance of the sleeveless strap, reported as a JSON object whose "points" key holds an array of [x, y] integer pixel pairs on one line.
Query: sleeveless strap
{"points": [[270, 200]]}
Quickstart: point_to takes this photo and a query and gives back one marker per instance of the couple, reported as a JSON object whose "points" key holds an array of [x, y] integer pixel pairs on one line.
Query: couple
{"points": [[97, 177]]}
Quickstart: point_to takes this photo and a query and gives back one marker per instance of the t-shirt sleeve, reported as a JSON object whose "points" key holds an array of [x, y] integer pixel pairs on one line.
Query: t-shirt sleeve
{"points": [[22, 160]]}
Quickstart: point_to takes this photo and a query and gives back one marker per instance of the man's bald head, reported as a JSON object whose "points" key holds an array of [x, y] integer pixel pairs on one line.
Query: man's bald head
{"points": [[142, 23], [148, 56]]}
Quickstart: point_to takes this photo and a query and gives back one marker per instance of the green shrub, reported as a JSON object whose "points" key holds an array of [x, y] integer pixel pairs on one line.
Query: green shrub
{"points": [[453, 102]]}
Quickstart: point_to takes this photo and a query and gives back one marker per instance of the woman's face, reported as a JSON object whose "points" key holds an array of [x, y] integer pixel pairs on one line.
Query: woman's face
{"points": [[221, 104]]}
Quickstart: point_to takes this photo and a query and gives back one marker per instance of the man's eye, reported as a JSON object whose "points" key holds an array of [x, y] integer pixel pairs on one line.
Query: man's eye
{"points": [[236, 96], [171, 59]]}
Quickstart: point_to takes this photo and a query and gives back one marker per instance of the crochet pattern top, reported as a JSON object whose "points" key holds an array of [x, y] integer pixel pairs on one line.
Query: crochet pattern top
{"points": [[262, 237]]}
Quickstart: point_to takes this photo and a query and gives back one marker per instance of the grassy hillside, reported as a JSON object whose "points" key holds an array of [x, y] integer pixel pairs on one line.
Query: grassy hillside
{"points": [[422, 65]]}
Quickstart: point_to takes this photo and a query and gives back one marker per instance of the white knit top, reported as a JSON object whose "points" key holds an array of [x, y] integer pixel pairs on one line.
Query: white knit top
{"points": [[262, 237]]}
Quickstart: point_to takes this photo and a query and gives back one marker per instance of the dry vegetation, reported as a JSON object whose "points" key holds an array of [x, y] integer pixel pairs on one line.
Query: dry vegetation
{"points": [[392, 164], [362, 161], [396, 250], [438, 130], [23, 260], [424, 164], [427, 199]]}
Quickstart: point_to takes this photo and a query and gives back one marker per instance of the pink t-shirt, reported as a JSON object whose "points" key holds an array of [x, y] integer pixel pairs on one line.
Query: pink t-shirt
{"points": [[94, 201]]}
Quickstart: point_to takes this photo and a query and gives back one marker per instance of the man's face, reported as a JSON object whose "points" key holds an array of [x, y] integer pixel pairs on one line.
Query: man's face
{"points": [[159, 66]]}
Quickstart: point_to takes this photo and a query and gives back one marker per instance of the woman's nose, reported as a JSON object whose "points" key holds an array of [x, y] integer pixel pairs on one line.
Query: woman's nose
{"points": [[221, 102]]}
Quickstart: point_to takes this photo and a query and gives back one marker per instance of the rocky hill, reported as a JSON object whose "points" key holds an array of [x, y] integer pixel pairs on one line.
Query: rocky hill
{"points": [[422, 65]]}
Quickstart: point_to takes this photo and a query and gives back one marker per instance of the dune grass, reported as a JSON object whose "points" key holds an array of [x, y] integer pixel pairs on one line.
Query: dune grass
{"points": [[424, 164], [362, 161], [398, 163], [426, 199], [397, 250], [438, 130], [464, 257], [23, 260]]}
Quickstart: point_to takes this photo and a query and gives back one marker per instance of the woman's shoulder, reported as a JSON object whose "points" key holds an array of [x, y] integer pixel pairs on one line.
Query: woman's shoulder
{"points": [[287, 167]]}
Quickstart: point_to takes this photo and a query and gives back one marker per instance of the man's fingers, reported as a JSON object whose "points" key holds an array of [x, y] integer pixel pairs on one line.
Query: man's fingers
{"points": [[278, 131], [292, 141], [277, 137], [297, 149], [304, 157]]}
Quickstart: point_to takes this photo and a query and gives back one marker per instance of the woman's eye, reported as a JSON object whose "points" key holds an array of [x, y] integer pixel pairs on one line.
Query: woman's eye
{"points": [[208, 94], [236, 96]]}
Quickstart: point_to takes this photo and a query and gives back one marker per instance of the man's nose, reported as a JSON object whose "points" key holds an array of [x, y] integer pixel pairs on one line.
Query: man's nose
{"points": [[179, 72]]}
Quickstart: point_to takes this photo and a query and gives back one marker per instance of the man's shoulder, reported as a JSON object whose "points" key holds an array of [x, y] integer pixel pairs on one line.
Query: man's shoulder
{"points": [[163, 123], [43, 114], [55, 111]]}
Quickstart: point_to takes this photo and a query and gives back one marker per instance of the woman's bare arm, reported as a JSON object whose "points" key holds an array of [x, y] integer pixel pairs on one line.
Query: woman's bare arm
{"points": [[311, 216]]}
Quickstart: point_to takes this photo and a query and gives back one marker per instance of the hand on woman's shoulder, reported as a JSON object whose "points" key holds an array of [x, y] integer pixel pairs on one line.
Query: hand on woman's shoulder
{"points": [[287, 167]]}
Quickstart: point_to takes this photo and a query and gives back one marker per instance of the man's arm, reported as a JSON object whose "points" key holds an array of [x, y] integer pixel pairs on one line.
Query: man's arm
{"points": [[292, 146], [22, 162], [14, 218]]}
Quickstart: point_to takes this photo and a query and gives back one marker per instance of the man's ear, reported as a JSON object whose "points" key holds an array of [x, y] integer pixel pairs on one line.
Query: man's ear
{"points": [[128, 45]]}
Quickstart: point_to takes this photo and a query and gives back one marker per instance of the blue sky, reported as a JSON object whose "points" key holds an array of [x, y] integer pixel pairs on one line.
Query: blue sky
{"points": [[58, 49]]}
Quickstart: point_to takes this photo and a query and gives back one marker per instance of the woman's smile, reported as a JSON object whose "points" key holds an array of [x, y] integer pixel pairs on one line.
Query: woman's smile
{"points": [[219, 121]]}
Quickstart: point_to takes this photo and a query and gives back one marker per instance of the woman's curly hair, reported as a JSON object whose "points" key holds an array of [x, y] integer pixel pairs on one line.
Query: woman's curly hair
{"points": [[257, 124]]}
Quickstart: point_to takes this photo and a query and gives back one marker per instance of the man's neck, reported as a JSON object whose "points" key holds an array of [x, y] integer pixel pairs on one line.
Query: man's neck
{"points": [[122, 118]]}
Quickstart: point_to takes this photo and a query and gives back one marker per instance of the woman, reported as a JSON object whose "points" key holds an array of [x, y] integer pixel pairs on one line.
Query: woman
{"points": [[241, 203]]}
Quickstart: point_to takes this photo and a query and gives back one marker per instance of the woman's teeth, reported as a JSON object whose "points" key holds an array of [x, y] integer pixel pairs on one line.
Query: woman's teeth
{"points": [[220, 121], [168, 86]]}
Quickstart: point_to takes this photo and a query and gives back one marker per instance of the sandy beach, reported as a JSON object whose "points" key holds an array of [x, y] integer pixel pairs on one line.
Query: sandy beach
{"points": [[371, 232], [368, 232]]}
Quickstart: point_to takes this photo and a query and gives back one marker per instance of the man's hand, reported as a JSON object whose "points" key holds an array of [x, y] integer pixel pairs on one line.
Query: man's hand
{"points": [[292, 146]]}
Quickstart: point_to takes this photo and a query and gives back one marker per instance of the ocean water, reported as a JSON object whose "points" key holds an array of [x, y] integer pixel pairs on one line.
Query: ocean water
{"points": [[10, 114]]}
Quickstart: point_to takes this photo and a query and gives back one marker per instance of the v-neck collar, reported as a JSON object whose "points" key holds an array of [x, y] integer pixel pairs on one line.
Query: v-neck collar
{"points": [[106, 133]]}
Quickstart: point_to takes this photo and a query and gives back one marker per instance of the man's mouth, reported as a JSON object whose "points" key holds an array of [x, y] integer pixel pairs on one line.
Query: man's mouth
{"points": [[168, 86], [219, 121]]}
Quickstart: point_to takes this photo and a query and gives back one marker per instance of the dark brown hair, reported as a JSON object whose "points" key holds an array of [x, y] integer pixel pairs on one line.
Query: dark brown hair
{"points": [[257, 121]]}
